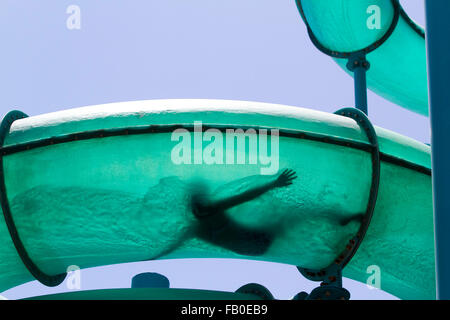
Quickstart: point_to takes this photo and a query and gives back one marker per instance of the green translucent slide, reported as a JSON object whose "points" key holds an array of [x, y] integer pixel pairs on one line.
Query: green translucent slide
{"points": [[105, 184], [395, 45]]}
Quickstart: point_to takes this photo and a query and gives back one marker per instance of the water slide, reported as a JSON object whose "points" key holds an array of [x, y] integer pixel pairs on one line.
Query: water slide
{"points": [[91, 186], [395, 48]]}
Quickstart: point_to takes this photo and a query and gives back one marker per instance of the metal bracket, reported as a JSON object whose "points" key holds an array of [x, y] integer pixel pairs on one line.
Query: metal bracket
{"points": [[358, 64], [38, 274], [332, 275]]}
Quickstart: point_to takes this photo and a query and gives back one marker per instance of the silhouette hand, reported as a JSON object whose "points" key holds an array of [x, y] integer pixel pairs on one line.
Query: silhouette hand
{"points": [[285, 178]]}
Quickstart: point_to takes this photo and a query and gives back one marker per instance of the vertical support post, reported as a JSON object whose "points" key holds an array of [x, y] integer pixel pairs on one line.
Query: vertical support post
{"points": [[438, 55], [358, 64]]}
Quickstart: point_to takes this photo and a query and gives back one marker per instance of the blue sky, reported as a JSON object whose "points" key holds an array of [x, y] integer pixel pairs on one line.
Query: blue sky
{"points": [[256, 50]]}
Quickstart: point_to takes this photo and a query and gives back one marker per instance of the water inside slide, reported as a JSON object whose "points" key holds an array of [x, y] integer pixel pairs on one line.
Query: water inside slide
{"points": [[104, 200]]}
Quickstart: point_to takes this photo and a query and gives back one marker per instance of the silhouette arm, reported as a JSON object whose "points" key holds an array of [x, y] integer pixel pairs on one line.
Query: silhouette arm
{"points": [[283, 180]]}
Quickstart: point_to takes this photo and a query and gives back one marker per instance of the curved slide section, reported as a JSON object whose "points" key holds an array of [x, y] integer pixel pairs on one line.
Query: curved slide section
{"points": [[394, 44], [92, 186]]}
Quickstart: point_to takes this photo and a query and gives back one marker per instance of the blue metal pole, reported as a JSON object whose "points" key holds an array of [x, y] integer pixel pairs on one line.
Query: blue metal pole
{"points": [[150, 280], [358, 64], [438, 52]]}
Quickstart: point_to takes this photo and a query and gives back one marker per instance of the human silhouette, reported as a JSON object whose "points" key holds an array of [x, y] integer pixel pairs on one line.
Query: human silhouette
{"points": [[216, 227]]}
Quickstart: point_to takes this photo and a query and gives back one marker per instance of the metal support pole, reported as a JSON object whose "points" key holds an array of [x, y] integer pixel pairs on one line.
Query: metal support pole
{"points": [[358, 64], [438, 52]]}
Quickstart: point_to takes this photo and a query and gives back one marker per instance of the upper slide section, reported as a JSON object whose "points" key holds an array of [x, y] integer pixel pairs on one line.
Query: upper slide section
{"points": [[394, 44]]}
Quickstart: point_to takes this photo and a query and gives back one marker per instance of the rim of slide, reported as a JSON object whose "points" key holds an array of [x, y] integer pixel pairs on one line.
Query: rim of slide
{"points": [[399, 12]]}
